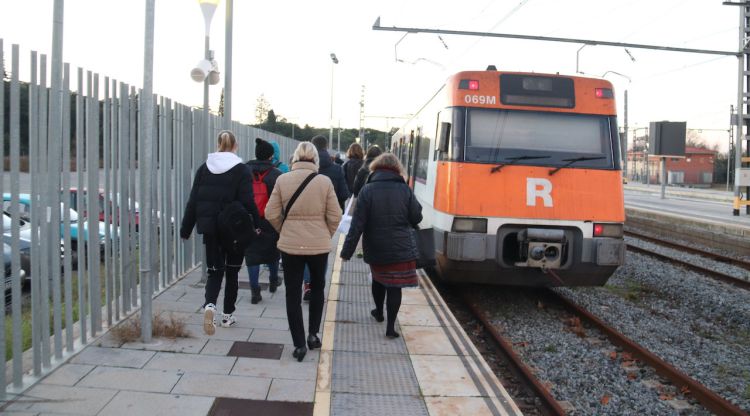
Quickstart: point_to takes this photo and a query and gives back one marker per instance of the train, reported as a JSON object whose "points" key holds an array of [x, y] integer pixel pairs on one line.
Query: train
{"points": [[520, 178]]}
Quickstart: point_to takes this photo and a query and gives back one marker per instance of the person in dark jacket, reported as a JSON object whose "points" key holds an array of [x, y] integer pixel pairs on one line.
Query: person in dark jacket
{"points": [[262, 250], [221, 180], [355, 158], [386, 215], [330, 169], [361, 179]]}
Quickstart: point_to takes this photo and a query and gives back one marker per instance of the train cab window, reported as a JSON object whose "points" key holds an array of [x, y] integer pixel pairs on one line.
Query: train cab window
{"points": [[494, 136], [423, 155]]}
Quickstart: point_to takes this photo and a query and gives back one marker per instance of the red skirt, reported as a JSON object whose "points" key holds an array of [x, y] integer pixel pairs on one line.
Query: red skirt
{"points": [[396, 274]]}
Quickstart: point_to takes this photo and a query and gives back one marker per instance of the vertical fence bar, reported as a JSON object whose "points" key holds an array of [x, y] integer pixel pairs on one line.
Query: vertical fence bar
{"points": [[3, 365], [122, 201], [114, 200], [93, 243], [134, 217], [36, 288], [67, 246], [167, 214], [80, 234], [42, 200], [15, 158], [161, 197], [106, 201], [154, 201]]}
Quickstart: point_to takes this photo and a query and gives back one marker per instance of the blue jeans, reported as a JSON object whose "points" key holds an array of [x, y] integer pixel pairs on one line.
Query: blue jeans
{"points": [[254, 270]]}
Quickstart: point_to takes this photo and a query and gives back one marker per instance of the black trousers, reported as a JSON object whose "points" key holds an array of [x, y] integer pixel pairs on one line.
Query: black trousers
{"points": [[294, 267], [392, 303], [219, 262]]}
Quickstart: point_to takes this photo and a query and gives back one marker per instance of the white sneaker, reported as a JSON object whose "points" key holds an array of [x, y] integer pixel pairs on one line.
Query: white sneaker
{"points": [[209, 324], [228, 320]]}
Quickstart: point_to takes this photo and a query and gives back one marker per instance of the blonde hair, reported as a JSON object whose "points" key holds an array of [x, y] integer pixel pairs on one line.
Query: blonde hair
{"points": [[355, 151], [306, 152], [387, 161], [226, 141]]}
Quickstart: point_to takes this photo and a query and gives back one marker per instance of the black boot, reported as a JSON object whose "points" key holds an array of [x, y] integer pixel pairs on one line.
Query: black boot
{"points": [[272, 284], [255, 296]]}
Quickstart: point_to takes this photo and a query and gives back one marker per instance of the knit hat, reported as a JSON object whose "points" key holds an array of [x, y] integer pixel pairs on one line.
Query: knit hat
{"points": [[263, 149]]}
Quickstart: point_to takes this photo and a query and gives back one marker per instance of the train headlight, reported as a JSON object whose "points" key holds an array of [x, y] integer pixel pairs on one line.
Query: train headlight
{"points": [[470, 225], [536, 253], [608, 230], [551, 253]]}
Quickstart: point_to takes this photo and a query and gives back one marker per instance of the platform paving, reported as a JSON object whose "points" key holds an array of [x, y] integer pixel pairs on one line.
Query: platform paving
{"points": [[432, 369]]}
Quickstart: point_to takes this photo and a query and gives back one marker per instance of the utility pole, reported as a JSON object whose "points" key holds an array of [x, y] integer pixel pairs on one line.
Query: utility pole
{"points": [[625, 139], [362, 119]]}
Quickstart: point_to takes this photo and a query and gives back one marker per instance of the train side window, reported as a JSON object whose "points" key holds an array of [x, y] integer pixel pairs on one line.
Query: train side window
{"points": [[443, 136], [423, 155]]}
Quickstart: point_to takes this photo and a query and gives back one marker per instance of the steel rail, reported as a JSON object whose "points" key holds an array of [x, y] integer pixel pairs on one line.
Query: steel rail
{"points": [[550, 405], [743, 284], [692, 250], [706, 397]]}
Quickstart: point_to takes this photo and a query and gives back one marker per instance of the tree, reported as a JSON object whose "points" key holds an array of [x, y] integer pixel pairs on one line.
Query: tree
{"points": [[261, 109], [694, 139], [221, 103]]}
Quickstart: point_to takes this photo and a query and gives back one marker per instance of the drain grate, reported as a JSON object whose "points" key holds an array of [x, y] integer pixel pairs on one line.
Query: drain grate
{"points": [[256, 350], [225, 407]]}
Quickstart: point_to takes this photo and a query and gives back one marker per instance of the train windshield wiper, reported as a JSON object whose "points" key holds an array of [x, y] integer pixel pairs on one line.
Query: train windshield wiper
{"points": [[513, 160], [571, 161]]}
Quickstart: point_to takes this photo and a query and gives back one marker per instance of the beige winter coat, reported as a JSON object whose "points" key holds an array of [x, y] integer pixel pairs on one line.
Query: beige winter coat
{"points": [[313, 218]]}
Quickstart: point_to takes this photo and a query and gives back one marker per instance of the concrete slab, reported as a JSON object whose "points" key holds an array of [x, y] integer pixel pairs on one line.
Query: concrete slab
{"points": [[113, 357], [217, 347], [223, 386], [292, 370], [414, 296], [227, 334], [189, 363], [451, 406], [425, 340], [418, 315], [129, 403], [176, 306], [182, 345], [155, 381], [271, 336], [441, 375], [68, 374], [292, 390], [64, 400]]}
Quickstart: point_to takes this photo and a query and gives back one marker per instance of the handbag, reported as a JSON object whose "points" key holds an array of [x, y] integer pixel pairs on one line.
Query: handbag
{"points": [[426, 247], [346, 219]]}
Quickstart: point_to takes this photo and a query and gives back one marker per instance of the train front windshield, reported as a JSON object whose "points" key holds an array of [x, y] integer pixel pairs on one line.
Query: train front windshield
{"points": [[551, 139]]}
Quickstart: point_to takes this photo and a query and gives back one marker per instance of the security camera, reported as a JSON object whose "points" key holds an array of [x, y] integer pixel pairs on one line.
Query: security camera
{"points": [[201, 71]]}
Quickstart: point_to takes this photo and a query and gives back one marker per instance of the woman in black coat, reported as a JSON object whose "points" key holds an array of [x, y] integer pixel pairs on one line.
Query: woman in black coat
{"points": [[355, 158], [219, 181], [361, 179], [385, 217]]}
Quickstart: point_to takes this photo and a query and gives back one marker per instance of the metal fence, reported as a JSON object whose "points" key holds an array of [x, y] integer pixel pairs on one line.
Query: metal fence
{"points": [[72, 217]]}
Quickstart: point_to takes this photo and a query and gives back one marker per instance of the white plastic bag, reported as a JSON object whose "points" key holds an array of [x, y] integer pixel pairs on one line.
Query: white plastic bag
{"points": [[346, 219]]}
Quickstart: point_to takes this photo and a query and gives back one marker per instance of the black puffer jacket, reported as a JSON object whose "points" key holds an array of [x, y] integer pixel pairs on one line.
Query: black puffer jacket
{"points": [[263, 248], [386, 214], [211, 191], [335, 174], [351, 167], [361, 179]]}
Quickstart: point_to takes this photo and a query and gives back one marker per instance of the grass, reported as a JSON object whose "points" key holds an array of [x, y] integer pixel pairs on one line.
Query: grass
{"points": [[130, 330]]}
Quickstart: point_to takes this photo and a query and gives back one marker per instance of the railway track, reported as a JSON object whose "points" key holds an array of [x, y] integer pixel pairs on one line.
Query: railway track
{"points": [[707, 398], [741, 283]]}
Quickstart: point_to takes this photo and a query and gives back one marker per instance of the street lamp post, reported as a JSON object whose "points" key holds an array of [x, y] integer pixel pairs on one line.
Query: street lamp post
{"points": [[208, 7], [334, 61]]}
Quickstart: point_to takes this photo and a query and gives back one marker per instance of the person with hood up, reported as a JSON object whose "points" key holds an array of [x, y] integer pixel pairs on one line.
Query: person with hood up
{"points": [[277, 163], [304, 210], [386, 215], [221, 180], [361, 179], [262, 250]]}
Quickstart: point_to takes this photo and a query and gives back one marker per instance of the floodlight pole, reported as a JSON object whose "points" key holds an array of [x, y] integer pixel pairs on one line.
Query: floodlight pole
{"points": [[228, 66], [145, 153]]}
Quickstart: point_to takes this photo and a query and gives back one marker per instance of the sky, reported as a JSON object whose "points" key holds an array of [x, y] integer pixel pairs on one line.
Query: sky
{"points": [[281, 49]]}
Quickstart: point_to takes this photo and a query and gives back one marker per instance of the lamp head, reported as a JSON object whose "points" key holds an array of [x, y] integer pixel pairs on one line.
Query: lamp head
{"points": [[208, 7], [334, 58], [206, 69]]}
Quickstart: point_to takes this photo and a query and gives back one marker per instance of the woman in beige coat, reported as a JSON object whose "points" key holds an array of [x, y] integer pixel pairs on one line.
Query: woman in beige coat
{"points": [[304, 238]]}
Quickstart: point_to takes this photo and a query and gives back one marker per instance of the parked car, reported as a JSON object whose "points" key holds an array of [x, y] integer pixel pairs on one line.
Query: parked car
{"points": [[100, 208], [9, 268], [75, 224], [24, 246]]}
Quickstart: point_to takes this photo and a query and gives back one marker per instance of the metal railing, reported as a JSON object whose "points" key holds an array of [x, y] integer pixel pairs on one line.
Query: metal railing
{"points": [[84, 271]]}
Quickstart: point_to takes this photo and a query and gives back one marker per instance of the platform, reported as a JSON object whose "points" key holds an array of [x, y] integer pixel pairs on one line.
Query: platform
{"points": [[432, 369]]}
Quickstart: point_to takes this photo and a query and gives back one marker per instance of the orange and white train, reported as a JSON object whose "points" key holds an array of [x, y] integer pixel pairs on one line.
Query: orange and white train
{"points": [[519, 176]]}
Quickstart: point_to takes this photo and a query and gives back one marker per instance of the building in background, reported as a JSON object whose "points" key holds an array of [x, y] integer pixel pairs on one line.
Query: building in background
{"points": [[696, 169]]}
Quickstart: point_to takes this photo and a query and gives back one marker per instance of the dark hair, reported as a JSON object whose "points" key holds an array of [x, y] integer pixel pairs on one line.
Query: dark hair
{"points": [[320, 142], [355, 151], [373, 152]]}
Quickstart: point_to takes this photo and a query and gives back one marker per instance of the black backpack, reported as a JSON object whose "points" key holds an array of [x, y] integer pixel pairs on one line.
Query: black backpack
{"points": [[236, 226]]}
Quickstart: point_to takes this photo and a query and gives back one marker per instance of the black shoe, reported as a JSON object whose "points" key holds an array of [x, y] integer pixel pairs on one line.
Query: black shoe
{"points": [[255, 296], [392, 334], [313, 342], [273, 284], [377, 315], [299, 353]]}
